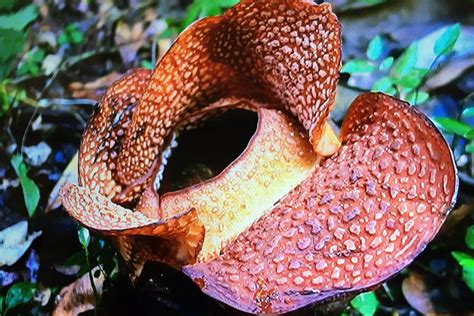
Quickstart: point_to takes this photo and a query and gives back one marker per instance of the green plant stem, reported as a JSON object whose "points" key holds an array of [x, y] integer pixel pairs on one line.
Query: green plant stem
{"points": [[425, 77], [91, 279], [472, 165], [154, 46], [388, 292]]}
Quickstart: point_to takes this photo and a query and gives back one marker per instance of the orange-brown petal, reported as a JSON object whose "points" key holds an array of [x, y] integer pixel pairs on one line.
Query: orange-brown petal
{"points": [[357, 220], [140, 238], [101, 143], [284, 53]]}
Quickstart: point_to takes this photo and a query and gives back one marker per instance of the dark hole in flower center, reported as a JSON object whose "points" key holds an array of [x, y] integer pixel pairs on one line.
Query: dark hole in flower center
{"points": [[204, 152]]}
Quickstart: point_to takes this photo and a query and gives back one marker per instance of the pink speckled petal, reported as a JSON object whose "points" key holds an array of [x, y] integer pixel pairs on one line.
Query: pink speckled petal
{"points": [[364, 215]]}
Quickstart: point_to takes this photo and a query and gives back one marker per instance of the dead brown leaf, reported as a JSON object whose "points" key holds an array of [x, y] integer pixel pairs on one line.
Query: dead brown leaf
{"points": [[150, 15], [449, 73], [78, 296], [94, 89], [455, 217], [129, 39], [417, 294], [70, 175]]}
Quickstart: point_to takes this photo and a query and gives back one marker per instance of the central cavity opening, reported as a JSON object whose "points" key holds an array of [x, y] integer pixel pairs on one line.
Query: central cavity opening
{"points": [[204, 152]]}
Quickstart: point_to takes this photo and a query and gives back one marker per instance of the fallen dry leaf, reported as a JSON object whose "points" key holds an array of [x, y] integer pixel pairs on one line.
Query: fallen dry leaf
{"points": [[78, 296], [70, 174], [449, 73], [51, 63], [14, 241], [417, 293], [94, 89], [129, 40], [455, 217], [37, 154], [163, 46]]}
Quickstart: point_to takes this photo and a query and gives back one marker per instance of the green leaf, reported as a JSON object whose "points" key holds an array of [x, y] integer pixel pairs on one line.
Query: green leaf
{"points": [[366, 303], [37, 55], [5, 70], [468, 112], [63, 39], [470, 135], [30, 63], [406, 61], [20, 19], [23, 69], [192, 14], [376, 48], [415, 98], [2, 300], [20, 293], [393, 92], [7, 5], [76, 37], [210, 10], [386, 64], [203, 8], [469, 239], [453, 126], [357, 66], [468, 277], [463, 259], [147, 64], [373, 2], [71, 28], [384, 84], [470, 148], [11, 43], [84, 237], [413, 78], [71, 35], [170, 32], [31, 191], [227, 3], [445, 43], [467, 263]]}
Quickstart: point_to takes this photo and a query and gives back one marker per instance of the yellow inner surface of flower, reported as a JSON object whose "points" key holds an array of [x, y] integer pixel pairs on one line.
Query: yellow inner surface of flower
{"points": [[277, 159]]}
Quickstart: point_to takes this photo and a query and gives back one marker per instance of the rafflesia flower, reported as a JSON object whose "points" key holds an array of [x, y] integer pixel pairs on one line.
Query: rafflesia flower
{"points": [[301, 216]]}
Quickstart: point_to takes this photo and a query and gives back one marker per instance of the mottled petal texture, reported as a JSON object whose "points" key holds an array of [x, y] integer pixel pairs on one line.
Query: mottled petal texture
{"points": [[357, 220]]}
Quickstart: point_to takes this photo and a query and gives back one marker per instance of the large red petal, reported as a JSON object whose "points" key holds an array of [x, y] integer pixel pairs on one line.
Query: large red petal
{"points": [[357, 220]]}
